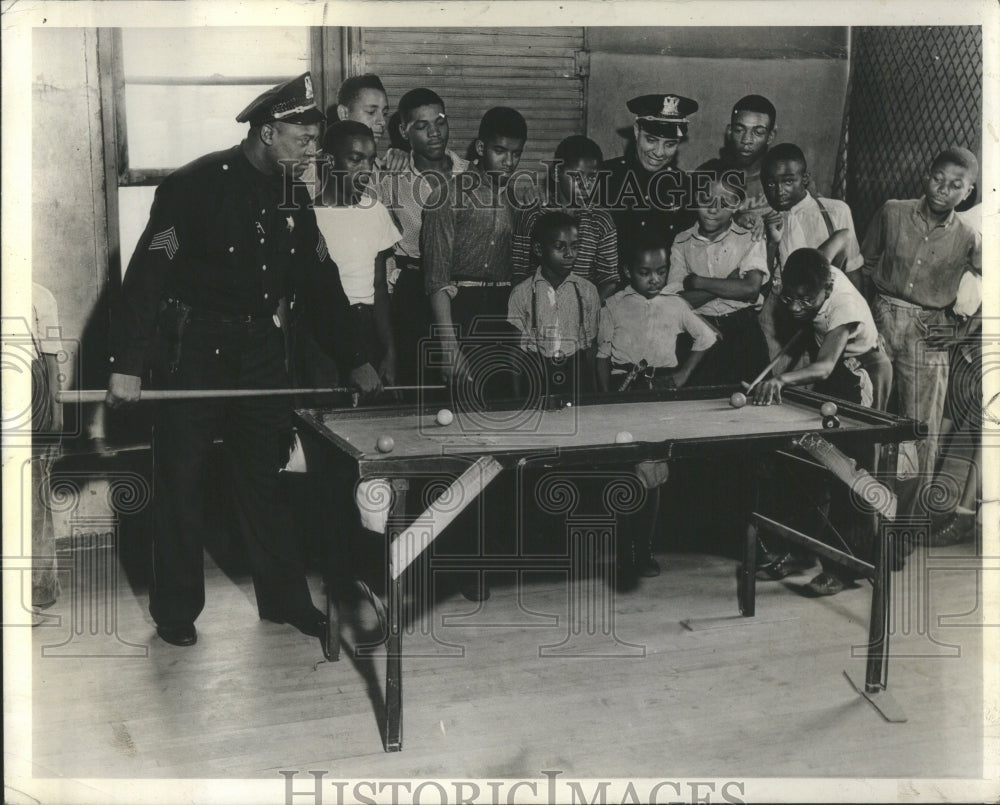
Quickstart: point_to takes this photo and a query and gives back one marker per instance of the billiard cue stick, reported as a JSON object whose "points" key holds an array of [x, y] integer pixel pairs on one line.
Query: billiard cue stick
{"points": [[97, 395], [784, 351]]}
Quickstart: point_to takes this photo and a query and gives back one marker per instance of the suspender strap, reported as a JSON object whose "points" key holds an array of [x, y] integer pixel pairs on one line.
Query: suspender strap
{"points": [[826, 218], [579, 313]]}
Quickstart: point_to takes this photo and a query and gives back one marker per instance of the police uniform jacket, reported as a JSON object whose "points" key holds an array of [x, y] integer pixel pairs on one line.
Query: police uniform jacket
{"points": [[641, 200], [228, 240]]}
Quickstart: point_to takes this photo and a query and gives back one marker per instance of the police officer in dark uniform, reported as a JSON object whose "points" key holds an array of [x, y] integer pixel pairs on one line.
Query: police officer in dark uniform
{"points": [[230, 247], [646, 190]]}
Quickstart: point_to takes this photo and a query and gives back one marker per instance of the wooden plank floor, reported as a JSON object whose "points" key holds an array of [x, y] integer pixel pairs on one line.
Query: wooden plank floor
{"points": [[761, 699]]}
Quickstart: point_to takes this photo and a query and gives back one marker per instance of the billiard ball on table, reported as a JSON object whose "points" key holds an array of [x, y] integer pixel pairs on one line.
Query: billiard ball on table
{"points": [[828, 409], [831, 422], [738, 400]]}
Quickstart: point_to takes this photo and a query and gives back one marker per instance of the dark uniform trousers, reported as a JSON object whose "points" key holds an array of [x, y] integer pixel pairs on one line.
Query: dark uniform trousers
{"points": [[256, 434]]}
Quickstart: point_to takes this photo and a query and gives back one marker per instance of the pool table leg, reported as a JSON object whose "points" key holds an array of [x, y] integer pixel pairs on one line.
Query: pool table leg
{"points": [[747, 582], [394, 642], [331, 645]]}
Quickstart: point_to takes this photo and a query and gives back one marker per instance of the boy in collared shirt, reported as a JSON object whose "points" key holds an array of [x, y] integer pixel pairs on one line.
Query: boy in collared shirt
{"points": [[915, 254], [718, 268], [641, 324], [424, 124], [798, 220], [573, 182], [466, 243], [556, 310], [848, 364]]}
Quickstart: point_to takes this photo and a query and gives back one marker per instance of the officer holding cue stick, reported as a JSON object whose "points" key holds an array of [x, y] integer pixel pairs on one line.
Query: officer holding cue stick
{"points": [[230, 236]]}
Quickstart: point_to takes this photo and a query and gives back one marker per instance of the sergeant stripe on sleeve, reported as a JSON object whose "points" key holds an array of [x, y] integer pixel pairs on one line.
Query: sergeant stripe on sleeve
{"points": [[321, 250], [165, 241]]}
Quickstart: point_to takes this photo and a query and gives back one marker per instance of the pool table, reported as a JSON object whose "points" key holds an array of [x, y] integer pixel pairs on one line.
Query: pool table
{"points": [[608, 431]]}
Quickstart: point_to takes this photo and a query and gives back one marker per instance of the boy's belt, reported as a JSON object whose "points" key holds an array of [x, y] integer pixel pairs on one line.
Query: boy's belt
{"points": [[895, 301], [411, 263], [648, 371], [481, 283], [743, 311]]}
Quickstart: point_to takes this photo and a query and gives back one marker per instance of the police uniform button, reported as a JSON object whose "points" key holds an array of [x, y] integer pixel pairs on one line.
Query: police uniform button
{"points": [[642, 223], [263, 268], [293, 251], [265, 296], [232, 249], [216, 350], [225, 167], [262, 240], [111, 359], [263, 211]]}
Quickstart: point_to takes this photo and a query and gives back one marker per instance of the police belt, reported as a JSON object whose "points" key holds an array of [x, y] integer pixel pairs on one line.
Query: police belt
{"points": [[219, 317]]}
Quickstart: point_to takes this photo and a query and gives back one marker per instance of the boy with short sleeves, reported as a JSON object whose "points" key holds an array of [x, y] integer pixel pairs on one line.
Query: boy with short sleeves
{"points": [[848, 364], [798, 219], [466, 242], [637, 325], [718, 268], [424, 125], [556, 310], [915, 255], [360, 235]]}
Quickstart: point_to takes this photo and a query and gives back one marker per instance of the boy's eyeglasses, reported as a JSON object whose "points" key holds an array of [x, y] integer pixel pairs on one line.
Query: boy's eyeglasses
{"points": [[805, 304]]}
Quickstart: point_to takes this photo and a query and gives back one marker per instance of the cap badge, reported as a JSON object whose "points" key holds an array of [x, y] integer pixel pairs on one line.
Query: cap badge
{"points": [[309, 86], [670, 106]]}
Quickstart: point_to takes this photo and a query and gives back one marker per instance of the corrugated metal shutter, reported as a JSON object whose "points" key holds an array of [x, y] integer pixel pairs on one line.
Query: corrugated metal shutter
{"points": [[538, 71]]}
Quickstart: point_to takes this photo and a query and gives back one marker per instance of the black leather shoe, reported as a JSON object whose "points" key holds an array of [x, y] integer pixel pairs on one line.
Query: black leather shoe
{"points": [[183, 635], [953, 529], [784, 566], [311, 622]]}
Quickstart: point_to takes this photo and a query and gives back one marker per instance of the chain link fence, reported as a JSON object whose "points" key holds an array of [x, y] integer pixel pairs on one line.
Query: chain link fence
{"points": [[913, 92]]}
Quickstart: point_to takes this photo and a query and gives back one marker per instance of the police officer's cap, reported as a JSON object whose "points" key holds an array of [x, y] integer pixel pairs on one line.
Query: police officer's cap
{"points": [[663, 115], [291, 102]]}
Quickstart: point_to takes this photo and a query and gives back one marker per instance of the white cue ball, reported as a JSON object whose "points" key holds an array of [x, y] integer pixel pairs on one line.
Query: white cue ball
{"points": [[445, 417], [623, 437]]}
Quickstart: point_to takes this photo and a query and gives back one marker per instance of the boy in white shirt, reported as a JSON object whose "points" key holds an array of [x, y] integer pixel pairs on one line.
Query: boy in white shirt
{"points": [[848, 364], [637, 325], [718, 268], [360, 235]]}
